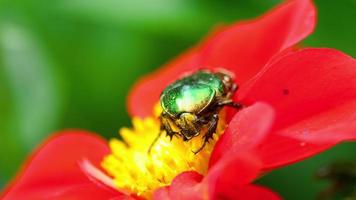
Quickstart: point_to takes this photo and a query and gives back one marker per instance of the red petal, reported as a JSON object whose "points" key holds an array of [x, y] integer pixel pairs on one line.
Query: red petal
{"points": [[339, 125], [314, 93], [251, 192], [53, 171], [278, 150], [245, 131], [243, 48], [246, 47]]}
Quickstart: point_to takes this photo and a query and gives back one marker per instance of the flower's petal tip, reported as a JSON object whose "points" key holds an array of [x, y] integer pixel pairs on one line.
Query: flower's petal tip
{"points": [[186, 185], [305, 10], [162, 194], [264, 107], [187, 178]]}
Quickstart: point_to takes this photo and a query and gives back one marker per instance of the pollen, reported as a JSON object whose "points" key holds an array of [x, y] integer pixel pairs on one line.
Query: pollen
{"points": [[136, 170]]}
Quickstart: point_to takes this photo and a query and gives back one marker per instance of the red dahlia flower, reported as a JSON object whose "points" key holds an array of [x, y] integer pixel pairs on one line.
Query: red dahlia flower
{"points": [[299, 102]]}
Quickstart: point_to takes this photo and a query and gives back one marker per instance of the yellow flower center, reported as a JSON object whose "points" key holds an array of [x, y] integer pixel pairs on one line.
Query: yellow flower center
{"points": [[138, 171]]}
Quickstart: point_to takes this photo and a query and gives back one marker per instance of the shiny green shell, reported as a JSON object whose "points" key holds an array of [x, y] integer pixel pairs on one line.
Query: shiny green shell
{"points": [[192, 93]]}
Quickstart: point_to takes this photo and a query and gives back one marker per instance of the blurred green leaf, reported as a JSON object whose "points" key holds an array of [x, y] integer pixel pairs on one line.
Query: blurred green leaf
{"points": [[33, 90], [336, 26], [176, 16]]}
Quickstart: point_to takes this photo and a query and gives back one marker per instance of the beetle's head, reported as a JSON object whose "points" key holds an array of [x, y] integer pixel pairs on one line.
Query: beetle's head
{"points": [[227, 78], [187, 122]]}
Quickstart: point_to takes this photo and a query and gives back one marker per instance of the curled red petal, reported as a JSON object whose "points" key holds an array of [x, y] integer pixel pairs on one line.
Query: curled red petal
{"points": [[53, 171], [245, 131], [313, 92], [243, 48]]}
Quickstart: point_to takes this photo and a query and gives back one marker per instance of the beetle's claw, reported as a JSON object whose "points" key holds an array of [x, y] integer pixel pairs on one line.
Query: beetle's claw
{"points": [[196, 151], [200, 148]]}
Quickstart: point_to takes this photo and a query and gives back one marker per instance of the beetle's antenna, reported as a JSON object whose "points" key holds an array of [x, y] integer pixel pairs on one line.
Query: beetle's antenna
{"points": [[154, 142]]}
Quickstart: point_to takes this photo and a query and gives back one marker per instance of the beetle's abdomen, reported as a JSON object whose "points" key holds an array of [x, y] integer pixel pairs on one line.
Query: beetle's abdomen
{"points": [[191, 98]]}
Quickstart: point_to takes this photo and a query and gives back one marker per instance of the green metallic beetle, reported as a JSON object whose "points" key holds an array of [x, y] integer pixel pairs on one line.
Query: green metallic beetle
{"points": [[193, 102]]}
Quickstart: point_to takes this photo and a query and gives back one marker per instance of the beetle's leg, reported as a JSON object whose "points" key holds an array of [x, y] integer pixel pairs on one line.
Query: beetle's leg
{"points": [[210, 132], [165, 126], [203, 120], [230, 103]]}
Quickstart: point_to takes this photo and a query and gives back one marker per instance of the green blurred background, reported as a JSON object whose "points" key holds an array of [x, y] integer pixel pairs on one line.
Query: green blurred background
{"points": [[71, 63]]}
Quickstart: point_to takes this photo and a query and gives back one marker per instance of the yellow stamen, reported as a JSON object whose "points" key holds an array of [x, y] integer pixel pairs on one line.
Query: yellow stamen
{"points": [[137, 171]]}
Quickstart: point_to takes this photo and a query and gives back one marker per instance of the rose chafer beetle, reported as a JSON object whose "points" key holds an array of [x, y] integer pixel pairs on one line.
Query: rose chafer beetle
{"points": [[193, 102]]}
